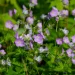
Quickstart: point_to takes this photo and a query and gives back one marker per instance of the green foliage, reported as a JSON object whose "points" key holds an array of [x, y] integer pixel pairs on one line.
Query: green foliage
{"points": [[22, 60]]}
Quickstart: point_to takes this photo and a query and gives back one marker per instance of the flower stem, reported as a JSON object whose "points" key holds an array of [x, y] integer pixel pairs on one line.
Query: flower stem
{"points": [[25, 68], [57, 27]]}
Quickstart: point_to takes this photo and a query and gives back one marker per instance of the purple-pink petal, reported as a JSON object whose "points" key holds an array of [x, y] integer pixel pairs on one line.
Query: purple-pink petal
{"points": [[54, 12], [73, 60], [2, 52], [38, 38], [73, 12], [59, 41], [34, 2], [73, 39], [9, 25], [64, 13], [30, 20], [66, 40], [69, 52], [19, 42]]}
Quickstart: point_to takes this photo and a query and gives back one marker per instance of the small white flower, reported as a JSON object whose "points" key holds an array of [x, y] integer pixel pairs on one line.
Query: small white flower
{"points": [[27, 26], [43, 16], [8, 62], [25, 11], [3, 62], [41, 49], [65, 31], [28, 36], [71, 44], [38, 59], [31, 4], [30, 31], [47, 32], [22, 37]]}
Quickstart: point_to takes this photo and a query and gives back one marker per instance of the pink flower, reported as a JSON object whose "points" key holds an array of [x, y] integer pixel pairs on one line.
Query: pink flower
{"points": [[73, 12], [73, 60], [2, 52], [30, 20], [54, 12], [34, 2], [31, 44], [39, 25], [38, 38], [73, 39], [69, 52], [66, 40], [16, 35], [12, 12], [66, 2], [59, 41], [19, 42], [64, 13], [9, 25]]}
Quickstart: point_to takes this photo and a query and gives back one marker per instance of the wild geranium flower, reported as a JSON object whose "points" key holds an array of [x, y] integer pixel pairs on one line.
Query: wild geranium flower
{"points": [[66, 40], [73, 12], [73, 39], [39, 25], [16, 35], [12, 12], [31, 13], [57, 19], [2, 52], [31, 44], [59, 41], [69, 52], [66, 2], [15, 11], [54, 12], [38, 38], [9, 25], [72, 55], [19, 42], [30, 20], [64, 13], [34, 2], [73, 60]]}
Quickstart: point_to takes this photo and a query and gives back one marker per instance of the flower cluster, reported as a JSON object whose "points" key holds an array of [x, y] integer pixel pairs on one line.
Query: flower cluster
{"points": [[38, 40]]}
